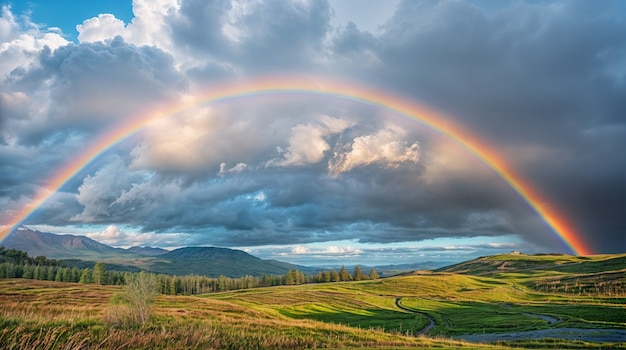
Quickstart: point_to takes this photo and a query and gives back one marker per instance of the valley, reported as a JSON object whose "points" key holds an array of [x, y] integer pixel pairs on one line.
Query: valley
{"points": [[533, 303]]}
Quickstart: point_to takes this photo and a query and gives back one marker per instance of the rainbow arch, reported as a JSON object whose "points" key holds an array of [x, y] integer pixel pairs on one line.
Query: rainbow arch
{"points": [[324, 87]]}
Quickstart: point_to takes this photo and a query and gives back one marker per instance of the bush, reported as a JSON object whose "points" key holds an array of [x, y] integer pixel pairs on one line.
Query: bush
{"points": [[134, 304]]}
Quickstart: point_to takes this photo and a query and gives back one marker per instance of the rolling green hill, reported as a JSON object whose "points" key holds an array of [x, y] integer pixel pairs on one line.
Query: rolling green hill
{"points": [[559, 298], [530, 303], [540, 262], [213, 262]]}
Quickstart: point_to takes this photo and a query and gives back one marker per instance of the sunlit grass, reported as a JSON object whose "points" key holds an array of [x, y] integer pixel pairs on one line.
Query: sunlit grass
{"points": [[52, 320], [364, 314]]}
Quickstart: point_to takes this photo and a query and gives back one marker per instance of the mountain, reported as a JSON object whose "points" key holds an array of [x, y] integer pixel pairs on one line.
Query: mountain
{"points": [[207, 261], [55, 246], [213, 262], [147, 251]]}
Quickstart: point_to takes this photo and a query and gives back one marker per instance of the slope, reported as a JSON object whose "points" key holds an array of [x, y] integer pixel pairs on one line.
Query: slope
{"points": [[55, 246], [213, 262]]}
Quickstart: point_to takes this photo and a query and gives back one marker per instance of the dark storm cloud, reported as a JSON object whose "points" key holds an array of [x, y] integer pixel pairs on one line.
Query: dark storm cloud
{"points": [[530, 73], [97, 84], [287, 35], [259, 36], [262, 206], [198, 26], [543, 81], [53, 108]]}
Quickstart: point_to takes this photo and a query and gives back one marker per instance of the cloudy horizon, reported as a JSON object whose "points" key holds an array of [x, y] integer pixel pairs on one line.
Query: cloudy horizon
{"points": [[313, 178]]}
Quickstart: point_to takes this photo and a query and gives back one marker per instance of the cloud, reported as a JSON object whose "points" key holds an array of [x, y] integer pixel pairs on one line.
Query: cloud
{"points": [[117, 237], [100, 28], [19, 48], [239, 167], [98, 193], [386, 148], [86, 88], [330, 250], [539, 83], [307, 144]]}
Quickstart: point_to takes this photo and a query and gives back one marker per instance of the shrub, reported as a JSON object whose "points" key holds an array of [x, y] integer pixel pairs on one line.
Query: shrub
{"points": [[134, 304]]}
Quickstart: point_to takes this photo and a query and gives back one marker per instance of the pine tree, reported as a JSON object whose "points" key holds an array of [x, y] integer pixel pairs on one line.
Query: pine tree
{"points": [[51, 273], [74, 275], [86, 276], [29, 271], [59, 275], [99, 273], [290, 278]]}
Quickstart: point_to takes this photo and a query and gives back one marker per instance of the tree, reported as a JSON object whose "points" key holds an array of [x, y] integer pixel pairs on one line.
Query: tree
{"points": [[140, 292], [29, 271], [373, 274], [59, 275], [99, 273], [326, 276], [344, 275], [334, 276], [74, 274], [86, 276], [358, 274], [290, 277]]}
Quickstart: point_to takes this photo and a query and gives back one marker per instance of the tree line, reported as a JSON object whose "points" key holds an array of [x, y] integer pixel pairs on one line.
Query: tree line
{"points": [[17, 264]]}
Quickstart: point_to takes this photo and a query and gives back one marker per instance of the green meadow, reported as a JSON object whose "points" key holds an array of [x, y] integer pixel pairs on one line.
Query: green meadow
{"points": [[506, 295]]}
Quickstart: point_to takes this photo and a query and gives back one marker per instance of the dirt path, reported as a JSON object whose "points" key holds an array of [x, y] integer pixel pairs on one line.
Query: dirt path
{"points": [[431, 321]]}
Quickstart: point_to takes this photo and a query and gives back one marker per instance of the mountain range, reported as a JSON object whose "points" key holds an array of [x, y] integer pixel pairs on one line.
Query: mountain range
{"points": [[83, 251], [206, 261]]}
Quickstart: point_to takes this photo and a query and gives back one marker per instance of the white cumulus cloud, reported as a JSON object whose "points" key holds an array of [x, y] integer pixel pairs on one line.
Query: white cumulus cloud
{"points": [[307, 143], [117, 237], [100, 28], [387, 147]]}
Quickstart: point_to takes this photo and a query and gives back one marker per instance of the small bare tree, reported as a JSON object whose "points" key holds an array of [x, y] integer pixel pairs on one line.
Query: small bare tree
{"points": [[134, 304], [140, 291]]}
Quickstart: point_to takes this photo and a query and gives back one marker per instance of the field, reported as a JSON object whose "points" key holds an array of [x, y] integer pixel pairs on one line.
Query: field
{"points": [[495, 308]]}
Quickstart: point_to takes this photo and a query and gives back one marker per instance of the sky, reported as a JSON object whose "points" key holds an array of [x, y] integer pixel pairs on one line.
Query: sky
{"points": [[312, 178]]}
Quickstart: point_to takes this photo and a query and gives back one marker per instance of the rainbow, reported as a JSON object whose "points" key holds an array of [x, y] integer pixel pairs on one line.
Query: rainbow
{"points": [[323, 87]]}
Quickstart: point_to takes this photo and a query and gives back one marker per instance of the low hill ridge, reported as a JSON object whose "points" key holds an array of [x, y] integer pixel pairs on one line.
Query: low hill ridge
{"points": [[214, 261], [538, 262], [147, 251]]}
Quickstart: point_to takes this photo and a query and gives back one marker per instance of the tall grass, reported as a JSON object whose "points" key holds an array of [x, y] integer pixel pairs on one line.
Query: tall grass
{"points": [[58, 315], [39, 315]]}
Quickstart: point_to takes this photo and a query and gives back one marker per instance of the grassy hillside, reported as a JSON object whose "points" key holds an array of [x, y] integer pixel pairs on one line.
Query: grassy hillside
{"points": [[425, 309], [53, 315], [544, 262], [213, 262]]}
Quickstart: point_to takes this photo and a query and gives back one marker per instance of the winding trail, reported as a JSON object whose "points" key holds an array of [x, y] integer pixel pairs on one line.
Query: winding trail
{"points": [[431, 321], [549, 319], [581, 334]]}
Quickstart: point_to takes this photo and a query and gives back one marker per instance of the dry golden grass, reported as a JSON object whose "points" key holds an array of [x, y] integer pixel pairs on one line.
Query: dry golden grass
{"points": [[54, 315]]}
